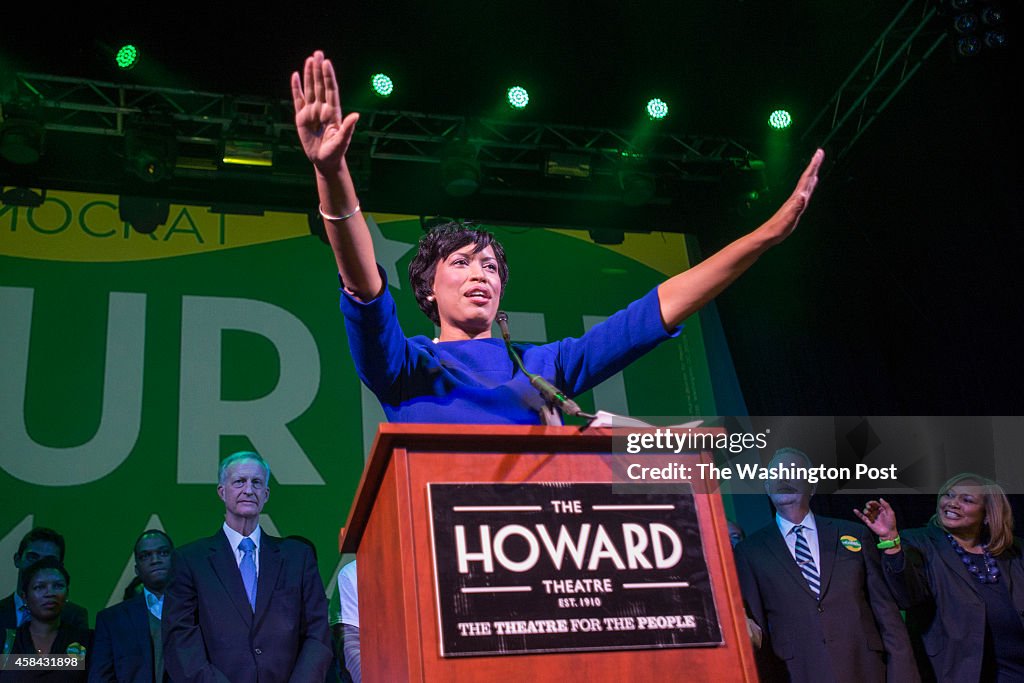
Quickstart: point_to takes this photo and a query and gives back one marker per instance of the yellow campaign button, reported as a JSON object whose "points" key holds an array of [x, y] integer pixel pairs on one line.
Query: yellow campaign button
{"points": [[851, 543]]}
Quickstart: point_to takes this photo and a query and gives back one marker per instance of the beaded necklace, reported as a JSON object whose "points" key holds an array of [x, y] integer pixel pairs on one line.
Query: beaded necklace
{"points": [[991, 574]]}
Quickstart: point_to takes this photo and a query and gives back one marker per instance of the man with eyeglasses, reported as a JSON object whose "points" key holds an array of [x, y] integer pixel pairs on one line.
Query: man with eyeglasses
{"points": [[244, 605], [128, 646]]}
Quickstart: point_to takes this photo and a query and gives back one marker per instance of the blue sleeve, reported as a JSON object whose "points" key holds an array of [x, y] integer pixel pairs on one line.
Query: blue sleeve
{"points": [[375, 338], [611, 345]]}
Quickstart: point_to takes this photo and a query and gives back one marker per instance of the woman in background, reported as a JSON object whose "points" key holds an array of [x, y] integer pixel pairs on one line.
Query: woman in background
{"points": [[961, 578], [44, 588]]}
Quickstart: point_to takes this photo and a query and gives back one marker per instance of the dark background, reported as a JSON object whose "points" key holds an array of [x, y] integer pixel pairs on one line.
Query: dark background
{"points": [[897, 295]]}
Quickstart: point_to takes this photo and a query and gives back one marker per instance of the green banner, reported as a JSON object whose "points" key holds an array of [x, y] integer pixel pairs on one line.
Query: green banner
{"points": [[130, 364]]}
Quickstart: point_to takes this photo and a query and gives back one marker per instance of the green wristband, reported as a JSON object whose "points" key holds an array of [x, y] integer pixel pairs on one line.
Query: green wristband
{"points": [[894, 543]]}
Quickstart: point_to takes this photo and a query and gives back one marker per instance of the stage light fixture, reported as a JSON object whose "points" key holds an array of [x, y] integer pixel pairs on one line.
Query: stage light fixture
{"points": [[567, 165], [382, 85], [996, 40], [965, 23], [127, 56], [21, 141], [780, 119], [978, 27], [517, 97], [460, 169], [992, 16], [150, 149], [609, 236], [144, 214], [968, 46], [23, 196], [242, 152], [656, 109], [249, 139]]}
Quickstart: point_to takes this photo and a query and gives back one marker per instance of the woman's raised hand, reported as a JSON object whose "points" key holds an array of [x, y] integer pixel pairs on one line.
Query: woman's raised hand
{"points": [[325, 134]]}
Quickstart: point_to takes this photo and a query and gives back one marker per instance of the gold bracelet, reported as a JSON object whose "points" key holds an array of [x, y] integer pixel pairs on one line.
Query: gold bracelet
{"points": [[337, 218]]}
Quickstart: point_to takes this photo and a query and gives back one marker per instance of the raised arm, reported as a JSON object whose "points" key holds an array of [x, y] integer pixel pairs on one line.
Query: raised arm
{"points": [[684, 294], [903, 569], [325, 135]]}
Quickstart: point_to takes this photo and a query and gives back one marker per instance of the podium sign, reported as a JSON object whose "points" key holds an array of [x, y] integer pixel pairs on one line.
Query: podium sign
{"points": [[568, 567]]}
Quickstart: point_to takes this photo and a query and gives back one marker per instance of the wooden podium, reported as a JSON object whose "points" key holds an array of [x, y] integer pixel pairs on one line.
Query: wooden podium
{"points": [[391, 529]]}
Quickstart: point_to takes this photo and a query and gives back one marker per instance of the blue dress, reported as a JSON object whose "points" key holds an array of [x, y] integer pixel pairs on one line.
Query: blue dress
{"points": [[474, 381]]}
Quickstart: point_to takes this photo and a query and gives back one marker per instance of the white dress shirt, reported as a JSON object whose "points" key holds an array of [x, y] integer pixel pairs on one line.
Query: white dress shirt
{"points": [[154, 602], [234, 538], [810, 533]]}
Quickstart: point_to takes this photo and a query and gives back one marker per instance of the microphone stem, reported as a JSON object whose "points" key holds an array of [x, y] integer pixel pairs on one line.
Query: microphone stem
{"points": [[547, 390]]}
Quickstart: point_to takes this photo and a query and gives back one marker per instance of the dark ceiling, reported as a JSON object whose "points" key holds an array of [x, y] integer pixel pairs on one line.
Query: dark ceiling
{"points": [[899, 294], [719, 63]]}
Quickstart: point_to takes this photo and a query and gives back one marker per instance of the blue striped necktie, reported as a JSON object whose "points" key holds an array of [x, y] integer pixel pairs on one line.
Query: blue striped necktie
{"points": [[806, 561], [248, 568]]}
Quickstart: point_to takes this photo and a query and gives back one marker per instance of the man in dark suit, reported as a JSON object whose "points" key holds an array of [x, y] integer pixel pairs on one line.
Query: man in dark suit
{"points": [[243, 605], [35, 545], [127, 646], [815, 587]]}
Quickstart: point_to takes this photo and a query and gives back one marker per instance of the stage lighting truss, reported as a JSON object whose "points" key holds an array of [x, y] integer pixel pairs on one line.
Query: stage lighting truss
{"points": [[204, 122], [586, 155], [895, 57]]}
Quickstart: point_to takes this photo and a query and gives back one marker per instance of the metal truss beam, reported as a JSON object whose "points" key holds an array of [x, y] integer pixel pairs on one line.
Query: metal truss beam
{"points": [[203, 120], [905, 44]]}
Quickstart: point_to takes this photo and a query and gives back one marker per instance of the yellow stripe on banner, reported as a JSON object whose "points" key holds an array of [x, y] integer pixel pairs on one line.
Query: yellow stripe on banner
{"points": [[665, 252], [76, 226]]}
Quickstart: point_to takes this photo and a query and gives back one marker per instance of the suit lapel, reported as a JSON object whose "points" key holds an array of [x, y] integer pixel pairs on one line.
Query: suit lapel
{"points": [[1012, 570], [138, 615], [222, 559], [270, 567], [777, 547], [8, 617], [828, 538], [949, 556]]}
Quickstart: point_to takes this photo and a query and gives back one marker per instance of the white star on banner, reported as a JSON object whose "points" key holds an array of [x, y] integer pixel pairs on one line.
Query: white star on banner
{"points": [[387, 252]]}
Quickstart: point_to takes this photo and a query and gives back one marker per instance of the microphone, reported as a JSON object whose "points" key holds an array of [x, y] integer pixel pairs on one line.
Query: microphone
{"points": [[549, 392], [502, 319]]}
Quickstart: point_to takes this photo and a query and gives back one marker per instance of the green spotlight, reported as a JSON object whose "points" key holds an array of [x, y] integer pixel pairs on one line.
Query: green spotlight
{"points": [[780, 119], [656, 109], [517, 96], [127, 56], [382, 85]]}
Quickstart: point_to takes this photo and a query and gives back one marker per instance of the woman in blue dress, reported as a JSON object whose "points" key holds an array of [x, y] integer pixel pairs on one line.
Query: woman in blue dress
{"points": [[459, 276]]}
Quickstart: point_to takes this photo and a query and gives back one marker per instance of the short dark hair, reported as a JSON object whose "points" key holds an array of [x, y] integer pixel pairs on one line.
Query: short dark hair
{"points": [[42, 533], [43, 563], [442, 241], [151, 532]]}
